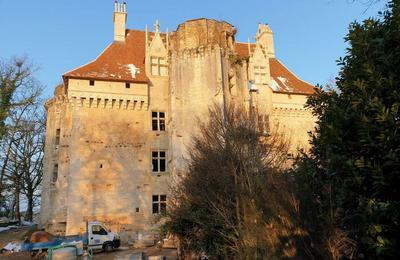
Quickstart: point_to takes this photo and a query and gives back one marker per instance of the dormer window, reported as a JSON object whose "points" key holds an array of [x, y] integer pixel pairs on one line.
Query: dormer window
{"points": [[158, 66], [260, 74]]}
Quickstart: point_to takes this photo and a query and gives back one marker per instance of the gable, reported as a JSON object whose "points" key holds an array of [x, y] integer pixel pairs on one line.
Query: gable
{"points": [[282, 79]]}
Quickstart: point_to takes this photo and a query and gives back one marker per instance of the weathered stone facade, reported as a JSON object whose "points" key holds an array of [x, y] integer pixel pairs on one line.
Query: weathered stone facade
{"points": [[118, 129]]}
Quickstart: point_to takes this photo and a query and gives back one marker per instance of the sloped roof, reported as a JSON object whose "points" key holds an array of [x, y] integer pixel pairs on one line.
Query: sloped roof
{"points": [[125, 61], [242, 49], [120, 61], [283, 80]]}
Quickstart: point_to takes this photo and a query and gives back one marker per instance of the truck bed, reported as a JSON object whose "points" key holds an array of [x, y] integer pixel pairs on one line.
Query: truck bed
{"points": [[56, 241]]}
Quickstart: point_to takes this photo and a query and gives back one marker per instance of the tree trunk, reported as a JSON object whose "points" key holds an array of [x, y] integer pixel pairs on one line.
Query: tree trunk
{"points": [[17, 208], [29, 211], [11, 214]]}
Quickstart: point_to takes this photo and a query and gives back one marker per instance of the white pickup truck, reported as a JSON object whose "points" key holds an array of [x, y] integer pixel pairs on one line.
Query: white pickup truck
{"points": [[96, 237], [101, 238]]}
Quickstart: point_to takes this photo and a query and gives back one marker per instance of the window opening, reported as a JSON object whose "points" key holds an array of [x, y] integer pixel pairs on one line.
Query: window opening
{"points": [[55, 172], [159, 161], [158, 121], [260, 74], [58, 133], [158, 66], [159, 204], [98, 230]]}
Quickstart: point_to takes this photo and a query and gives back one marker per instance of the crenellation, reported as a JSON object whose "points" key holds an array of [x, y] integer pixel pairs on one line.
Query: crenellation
{"points": [[109, 102]]}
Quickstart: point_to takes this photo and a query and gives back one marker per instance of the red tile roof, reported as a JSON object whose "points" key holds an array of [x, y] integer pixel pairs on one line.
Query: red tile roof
{"points": [[242, 49], [118, 61], [125, 61], [283, 80]]}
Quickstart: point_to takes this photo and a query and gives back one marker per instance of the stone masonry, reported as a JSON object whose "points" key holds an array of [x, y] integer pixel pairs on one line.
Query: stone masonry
{"points": [[118, 129]]}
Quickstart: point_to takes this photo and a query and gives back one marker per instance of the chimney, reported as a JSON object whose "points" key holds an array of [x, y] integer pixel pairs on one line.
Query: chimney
{"points": [[119, 21]]}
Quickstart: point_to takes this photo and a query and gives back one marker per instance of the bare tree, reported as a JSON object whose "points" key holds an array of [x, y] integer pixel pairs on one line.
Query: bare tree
{"points": [[22, 171], [21, 130], [34, 153], [18, 87], [237, 201]]}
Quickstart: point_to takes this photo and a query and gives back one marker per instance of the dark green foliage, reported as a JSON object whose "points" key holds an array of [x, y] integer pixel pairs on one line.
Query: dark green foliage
{"points": [[354, 166]]}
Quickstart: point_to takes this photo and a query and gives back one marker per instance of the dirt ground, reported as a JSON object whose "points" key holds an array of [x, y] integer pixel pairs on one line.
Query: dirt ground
{"points": [[127, 254], [120, 254], [15, 235]]}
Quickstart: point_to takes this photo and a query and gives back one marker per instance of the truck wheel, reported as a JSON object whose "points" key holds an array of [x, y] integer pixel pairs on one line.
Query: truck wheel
{"points": [[108, 247]]}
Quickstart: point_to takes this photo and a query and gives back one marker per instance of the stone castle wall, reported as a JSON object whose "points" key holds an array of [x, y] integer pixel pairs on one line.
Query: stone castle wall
{"points": [[106, 139]]}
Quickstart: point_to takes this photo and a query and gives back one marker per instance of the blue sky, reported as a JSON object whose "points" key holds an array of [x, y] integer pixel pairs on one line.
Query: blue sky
{"points": [[60, 35]]}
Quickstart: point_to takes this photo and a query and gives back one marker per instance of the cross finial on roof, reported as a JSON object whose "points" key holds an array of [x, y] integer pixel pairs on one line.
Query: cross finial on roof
{"points": [[157, 26]]}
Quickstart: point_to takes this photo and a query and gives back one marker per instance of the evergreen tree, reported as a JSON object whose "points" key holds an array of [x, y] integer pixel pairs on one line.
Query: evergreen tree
{"points": [[353, 169]]}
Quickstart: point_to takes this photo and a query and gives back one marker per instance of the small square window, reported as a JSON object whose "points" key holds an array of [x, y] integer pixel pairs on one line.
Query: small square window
{"points": [[155, 198], [127, 85], [137, 210], [91, 82]]}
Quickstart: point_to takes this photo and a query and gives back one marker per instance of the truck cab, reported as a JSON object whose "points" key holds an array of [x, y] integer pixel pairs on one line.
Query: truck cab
{"points": [[101, 238]]}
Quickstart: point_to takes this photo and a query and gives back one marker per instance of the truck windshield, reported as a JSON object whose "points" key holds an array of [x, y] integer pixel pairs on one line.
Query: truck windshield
{"points": [[98, 230]]}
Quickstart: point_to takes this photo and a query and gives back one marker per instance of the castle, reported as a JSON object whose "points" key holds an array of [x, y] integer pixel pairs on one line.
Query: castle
{"points": [[118, 128]]}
